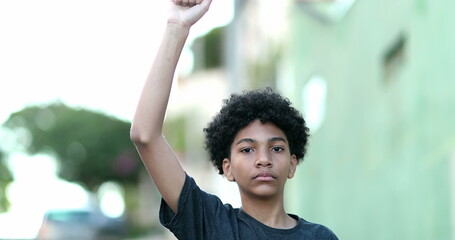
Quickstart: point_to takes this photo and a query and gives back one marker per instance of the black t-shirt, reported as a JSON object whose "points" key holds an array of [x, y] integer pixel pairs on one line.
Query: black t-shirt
{"points": [[202, 215]]}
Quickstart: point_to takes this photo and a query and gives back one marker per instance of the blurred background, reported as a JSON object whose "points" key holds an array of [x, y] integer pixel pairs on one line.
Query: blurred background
{"points": [[374, 80]]}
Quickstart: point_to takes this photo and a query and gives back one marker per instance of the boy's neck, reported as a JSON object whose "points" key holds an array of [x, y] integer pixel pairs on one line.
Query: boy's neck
{"points": [[270, 212]]}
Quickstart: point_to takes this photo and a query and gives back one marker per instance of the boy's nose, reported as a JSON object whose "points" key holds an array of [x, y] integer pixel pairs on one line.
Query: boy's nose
{"points": [[263, 159]]}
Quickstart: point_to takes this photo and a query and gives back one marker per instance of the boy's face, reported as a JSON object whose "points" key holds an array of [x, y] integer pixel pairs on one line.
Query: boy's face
{"points": [[260, 161]]}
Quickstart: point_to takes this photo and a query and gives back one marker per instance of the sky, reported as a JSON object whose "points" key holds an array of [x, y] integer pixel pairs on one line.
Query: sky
{"points": [[94, 54], [90, 53]]}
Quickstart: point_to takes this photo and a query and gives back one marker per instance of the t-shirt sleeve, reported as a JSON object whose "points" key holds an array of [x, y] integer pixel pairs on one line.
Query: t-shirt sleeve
{"points": [[199, 214]]}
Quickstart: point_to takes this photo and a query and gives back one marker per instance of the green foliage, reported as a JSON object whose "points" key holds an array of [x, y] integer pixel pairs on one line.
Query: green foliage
{"points": [[209, 49], [174, 130], [5, 179], [91, 147], [213, 48]]}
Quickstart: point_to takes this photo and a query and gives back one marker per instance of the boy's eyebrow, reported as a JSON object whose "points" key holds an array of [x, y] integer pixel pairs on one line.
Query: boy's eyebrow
{"points": [[275, 139], [250, 140]]}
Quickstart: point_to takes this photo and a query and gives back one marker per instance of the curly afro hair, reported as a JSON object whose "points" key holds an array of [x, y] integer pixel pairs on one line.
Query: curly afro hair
{"points": [[241, 109]]}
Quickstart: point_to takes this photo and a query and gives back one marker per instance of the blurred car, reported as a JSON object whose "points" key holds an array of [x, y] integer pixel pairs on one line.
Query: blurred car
{"points": [[80, 224]]}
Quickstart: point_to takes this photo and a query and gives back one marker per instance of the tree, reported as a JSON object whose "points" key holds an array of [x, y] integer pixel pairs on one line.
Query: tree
{"points": [[91, 147], [5, 179]]}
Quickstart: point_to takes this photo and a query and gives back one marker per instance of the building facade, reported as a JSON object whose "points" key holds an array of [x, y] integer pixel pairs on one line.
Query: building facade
{"points": [[375, 80]]}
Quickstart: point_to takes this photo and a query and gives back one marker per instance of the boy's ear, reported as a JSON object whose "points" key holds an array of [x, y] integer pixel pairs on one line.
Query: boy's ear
{"points": [[292, 166], [227, 170]]}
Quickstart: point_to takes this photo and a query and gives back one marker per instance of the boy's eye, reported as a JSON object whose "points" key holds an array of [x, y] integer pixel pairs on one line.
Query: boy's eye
{"points": [[246, 150], [277, 149]]}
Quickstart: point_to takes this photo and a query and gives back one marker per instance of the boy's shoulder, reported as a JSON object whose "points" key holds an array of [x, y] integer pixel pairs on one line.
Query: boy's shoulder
{"points": [[318, 231]]}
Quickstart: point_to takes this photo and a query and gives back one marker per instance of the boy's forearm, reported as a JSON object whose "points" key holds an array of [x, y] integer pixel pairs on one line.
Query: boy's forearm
{"points": [[149, 117], [146, 129]]}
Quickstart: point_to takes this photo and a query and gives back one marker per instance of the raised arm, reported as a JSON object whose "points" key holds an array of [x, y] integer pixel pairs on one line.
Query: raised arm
{"points": [[146, 130]]}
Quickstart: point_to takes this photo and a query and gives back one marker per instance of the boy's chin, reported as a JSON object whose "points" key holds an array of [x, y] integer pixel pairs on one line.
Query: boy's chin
{"points": [[264, 193]]}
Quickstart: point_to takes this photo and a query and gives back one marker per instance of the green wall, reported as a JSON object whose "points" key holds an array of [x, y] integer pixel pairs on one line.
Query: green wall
{"points": [[380, 166]]}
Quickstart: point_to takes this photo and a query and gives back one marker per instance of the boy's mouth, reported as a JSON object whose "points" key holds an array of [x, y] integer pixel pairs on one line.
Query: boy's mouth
{"points": [[265, 176]]}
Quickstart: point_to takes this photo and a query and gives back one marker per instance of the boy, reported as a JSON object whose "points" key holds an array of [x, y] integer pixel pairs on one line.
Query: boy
{"points": [[256, 141]]}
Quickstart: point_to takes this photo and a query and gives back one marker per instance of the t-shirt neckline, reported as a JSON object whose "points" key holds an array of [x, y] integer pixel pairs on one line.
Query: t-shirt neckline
{"points": [[252, 221]]}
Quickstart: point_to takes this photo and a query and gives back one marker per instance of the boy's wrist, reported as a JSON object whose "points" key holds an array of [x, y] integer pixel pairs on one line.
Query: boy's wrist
{"points": [[177, 28]]}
